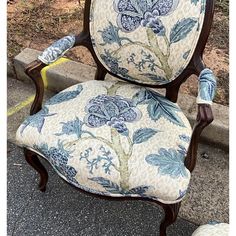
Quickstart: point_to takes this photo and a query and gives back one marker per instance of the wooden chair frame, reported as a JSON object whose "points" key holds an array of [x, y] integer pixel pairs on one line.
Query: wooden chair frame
{"points": [[204, 115]]}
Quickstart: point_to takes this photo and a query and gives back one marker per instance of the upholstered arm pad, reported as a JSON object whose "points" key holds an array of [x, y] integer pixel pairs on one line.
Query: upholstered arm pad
{"points": [[207, 87], [57, 50]]}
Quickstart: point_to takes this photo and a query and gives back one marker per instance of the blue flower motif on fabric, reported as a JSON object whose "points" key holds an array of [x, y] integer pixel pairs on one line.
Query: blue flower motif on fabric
{"points": [[65, 96], [72, 127], [37, 120], [170, 162], [57, 50], [113, 111], [58, 156], [146, 13], [207, 86]]}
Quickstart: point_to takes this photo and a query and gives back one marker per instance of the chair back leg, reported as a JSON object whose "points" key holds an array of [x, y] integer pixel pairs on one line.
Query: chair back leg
{"points": [[171, 213], [32, 159]]}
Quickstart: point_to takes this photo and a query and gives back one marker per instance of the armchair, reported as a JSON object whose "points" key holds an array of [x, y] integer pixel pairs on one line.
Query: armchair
{"points": [[119, 139]]}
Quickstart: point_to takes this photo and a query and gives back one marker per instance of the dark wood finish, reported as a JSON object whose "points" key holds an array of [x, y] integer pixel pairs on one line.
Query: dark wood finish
{"points": [[204, 116], [171, 213], [32, 158], [33, 71]]}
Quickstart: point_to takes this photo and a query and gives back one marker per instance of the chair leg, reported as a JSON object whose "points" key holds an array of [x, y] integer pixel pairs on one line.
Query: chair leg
{"points": [[171, 213], [32, 159]]}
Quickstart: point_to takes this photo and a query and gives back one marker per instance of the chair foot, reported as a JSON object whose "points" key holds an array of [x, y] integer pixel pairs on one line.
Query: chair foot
{"points": [[32, 159], [171, 213]]}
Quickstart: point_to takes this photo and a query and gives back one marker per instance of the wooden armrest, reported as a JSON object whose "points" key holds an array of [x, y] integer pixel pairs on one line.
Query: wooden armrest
{"points": [[207, 87], [33, 71], [49, 55]]}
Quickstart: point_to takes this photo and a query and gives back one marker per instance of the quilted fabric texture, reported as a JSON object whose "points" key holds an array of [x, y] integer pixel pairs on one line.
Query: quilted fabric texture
{"points": [[207, 87], [148, 41], [113, 138], [213, 229]]}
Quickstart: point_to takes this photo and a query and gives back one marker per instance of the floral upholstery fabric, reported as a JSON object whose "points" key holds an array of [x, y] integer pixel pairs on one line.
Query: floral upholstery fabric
{"points": [[212, 229], [148, 41], [206, 87], [113, 138]]}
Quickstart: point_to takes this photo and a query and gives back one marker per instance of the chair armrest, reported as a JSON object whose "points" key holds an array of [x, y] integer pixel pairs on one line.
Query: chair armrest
{"points": [[50, 55], [206, 92], [57, 49]]}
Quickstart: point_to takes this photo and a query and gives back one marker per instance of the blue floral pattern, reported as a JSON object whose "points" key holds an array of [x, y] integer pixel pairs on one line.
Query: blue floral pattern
{"points": [[207, 87], [72, 127], [57, 50], [65, 96], [58, 156], [115, 188], [97, 142], [141, 41], [113, 111], [105, 157], [132, 14], [158, 106], [37, 120]]}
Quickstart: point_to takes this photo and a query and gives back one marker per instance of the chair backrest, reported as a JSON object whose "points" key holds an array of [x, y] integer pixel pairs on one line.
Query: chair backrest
{"points": [[150, 42]]}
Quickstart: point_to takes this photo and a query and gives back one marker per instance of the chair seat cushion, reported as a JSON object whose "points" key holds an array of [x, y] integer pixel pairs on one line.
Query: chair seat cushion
{"points": [[212, 229], [113, 138]]}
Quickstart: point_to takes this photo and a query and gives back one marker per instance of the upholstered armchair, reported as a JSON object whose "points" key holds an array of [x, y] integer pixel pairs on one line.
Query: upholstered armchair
{"points": [[124, 139]]}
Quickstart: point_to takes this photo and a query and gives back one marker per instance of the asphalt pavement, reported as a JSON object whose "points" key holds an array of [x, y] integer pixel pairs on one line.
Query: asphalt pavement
{"points": [[64, 211]]}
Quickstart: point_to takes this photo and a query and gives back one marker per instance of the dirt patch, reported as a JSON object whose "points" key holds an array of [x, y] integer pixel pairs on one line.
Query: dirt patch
{"points": [[38, 23]]}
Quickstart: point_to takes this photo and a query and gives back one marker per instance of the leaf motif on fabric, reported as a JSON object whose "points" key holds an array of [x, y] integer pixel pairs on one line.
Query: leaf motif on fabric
{"points": [[143, 135], [181, 29], [158, 106], [157, 78], [64, 96], [170, 162], [37, 120], [114, 188], [107, 184]]}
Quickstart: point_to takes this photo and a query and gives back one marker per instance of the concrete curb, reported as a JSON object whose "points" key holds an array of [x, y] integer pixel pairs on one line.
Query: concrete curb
{"points": [[69, 73]]}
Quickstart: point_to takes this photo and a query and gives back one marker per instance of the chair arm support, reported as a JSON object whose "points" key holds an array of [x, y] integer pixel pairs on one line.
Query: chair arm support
{"points": [[206, 92], [50, 55], [57, 50], [33, 71], [204, 118]]}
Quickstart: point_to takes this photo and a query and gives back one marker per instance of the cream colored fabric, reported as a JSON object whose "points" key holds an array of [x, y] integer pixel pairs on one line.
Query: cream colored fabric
{"points": [[113, 138], [146, 41], [221, 229]]}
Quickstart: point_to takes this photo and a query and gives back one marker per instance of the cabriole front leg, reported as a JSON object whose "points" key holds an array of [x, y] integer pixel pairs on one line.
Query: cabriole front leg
{"points": [[171, 213], [32, 158]]}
